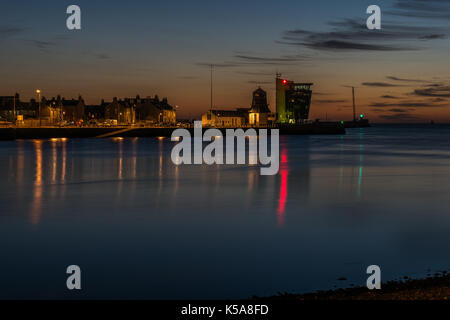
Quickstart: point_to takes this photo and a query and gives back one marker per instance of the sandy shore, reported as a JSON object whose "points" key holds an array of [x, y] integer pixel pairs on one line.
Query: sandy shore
{"points": [[430, 288]]}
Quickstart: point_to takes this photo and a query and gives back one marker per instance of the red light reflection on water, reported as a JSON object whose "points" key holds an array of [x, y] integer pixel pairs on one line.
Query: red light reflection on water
{"points": [[284, 171]]}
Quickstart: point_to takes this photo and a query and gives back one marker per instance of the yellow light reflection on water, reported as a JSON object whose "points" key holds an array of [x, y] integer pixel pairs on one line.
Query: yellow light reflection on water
{"points": [[36, 204]]}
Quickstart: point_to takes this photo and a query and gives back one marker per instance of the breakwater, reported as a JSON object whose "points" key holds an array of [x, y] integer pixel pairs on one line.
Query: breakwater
{"points": [[12, 133]]}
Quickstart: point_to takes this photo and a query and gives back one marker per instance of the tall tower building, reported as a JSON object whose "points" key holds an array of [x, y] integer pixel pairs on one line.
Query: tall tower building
{"points": [[293, 101]]}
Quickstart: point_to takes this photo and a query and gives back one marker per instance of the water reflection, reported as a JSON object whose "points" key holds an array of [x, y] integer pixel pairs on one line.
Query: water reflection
{"points": [[361, 160], [115, 168], [36, 203], [284, 172], [20, 163]]}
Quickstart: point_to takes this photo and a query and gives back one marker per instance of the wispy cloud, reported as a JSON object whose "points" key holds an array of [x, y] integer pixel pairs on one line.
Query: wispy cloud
{"points": [[380, 84], [397, 110], [435, 91], [427, 9], [102, 56], [398, 117], [9, 31], [260, 82], [246, 60], [353, 35], [42, 44], [330, 101], [285, 59], [216, 65], [404, 79], [406, 104]]}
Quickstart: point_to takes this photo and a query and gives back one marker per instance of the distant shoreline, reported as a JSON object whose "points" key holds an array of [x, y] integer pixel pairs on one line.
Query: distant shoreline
{"points": [[435, 287]]}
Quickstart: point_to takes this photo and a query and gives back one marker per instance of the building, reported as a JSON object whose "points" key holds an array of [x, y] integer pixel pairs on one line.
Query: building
{"points": [[154, 111], [137, 110], [259, 112], [293, 101], [95, 112], [9, 104], [57, 110], [224, 118], [120, 112], [258, 115]]}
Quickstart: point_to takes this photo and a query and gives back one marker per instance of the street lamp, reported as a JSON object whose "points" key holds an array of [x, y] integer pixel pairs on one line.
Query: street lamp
{"points": [[39, 100]]}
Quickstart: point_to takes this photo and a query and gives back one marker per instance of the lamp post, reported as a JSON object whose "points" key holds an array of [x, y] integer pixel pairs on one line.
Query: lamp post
{"points": [[14, 111], [39, 100]]}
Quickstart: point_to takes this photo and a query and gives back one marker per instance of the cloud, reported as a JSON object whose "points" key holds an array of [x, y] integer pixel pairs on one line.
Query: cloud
{"points": [[42, 44], [45, 45], [285, 59], [9, 31], [406, 104], [426, 9], [380, 84], [353, 35], [398, 117], [435, 91], [404, 79], [433, 37], [260, 82], [397, 110], [387, 96], [102, 56], [331, 101], [242, 60], [439, 100], [216, 65]]}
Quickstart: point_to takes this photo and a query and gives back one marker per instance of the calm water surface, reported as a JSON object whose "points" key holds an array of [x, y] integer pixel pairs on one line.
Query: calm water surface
{"points": [[140, 227]]}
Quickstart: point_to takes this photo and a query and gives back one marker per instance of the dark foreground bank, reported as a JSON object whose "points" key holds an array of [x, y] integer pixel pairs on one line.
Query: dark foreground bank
{"points": [[55, 132], [431, 288]]}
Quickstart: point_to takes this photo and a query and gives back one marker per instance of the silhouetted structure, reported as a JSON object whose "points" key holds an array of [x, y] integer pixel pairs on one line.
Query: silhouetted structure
{"points": [[120, 111], [59, 109], [257, 115], [293, 101], [26, 109], [155, 111], [141, 110], [259, 112]]}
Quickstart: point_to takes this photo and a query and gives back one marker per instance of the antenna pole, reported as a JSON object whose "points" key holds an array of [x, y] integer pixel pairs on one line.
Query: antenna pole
{"points": [[211, 87], [354, 107], [14, 112]]}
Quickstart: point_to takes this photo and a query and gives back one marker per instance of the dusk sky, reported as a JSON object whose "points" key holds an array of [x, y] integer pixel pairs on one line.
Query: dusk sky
{"points": [[401, 72]]}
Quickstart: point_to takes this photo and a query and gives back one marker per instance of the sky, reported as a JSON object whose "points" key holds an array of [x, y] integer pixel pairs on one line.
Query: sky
{"points": [[401, 73]]}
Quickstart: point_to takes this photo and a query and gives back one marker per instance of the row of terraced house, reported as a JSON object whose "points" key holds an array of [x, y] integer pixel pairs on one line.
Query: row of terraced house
{"points": [[58, 110]]}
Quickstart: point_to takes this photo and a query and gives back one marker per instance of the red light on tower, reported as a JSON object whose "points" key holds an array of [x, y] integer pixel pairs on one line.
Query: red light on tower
{"points": [[284, 81]]}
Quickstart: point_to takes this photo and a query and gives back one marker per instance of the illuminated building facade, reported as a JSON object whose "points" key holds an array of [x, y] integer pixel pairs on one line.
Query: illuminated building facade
{"points": [[258, 115], [293, 101], [259, 112], [223, 118], [60, 109]]}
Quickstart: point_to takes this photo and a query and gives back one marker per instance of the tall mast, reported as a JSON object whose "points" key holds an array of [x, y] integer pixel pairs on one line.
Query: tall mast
{"points": [[211, 87], [354, 107]]}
